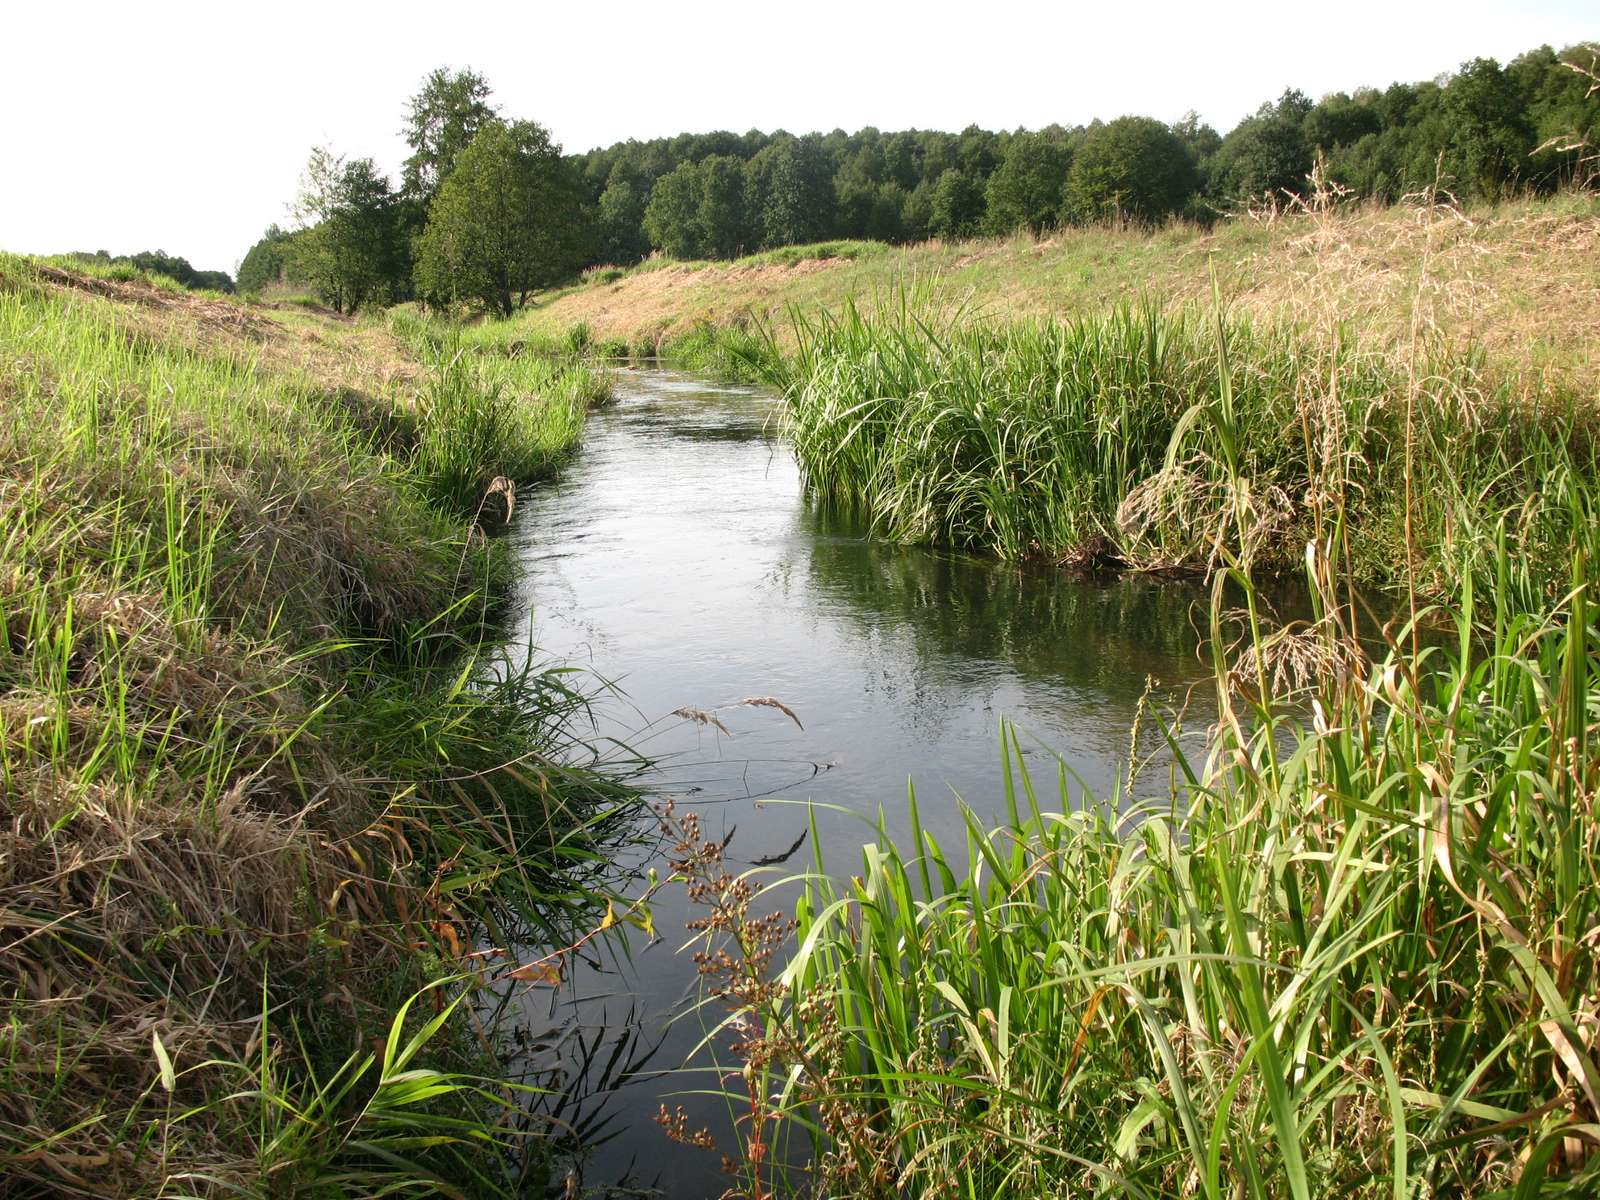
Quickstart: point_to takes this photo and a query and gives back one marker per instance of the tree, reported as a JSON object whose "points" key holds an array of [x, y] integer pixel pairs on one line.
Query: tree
{"points": [[1025, 190], [1266, 152], [620, 220], [1132, 167], [724, 214], [672, 218], [506, 220], [263, 264], [700, 210], [1490, 138], [1564, 108], [173, 266], [441, 121], [956, 206], [350, 247], [1341, 120], [791, 192]]}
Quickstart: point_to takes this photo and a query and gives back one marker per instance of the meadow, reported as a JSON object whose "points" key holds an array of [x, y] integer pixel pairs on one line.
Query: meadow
{"points": [[273, 794]]}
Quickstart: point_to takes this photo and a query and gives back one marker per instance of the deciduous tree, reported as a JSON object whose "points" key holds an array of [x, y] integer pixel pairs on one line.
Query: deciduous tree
{"points": [[506, 220], [1025, 190], [1131, 167], [441, 121], [349, 247]]}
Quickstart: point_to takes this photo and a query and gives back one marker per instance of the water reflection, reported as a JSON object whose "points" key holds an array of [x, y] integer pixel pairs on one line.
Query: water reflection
{"points": [[679, 557]]}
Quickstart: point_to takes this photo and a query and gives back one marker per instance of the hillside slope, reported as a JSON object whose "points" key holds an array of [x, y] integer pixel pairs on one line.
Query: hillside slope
{"points": [[1522, 280], [250, 796]]}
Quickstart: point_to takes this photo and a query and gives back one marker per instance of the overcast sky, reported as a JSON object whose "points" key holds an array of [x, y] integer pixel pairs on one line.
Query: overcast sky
{"points": [[183, 126]]}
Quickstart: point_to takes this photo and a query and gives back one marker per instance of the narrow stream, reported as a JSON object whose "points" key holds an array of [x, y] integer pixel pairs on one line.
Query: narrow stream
{"points": [[679, 557]]}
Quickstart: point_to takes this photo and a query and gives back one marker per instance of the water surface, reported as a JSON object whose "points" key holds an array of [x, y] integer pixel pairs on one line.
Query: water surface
{"points": [[679, 558]]}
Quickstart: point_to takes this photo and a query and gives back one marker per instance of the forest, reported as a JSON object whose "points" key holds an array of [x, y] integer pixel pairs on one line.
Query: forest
{"points": [[488, 209]]}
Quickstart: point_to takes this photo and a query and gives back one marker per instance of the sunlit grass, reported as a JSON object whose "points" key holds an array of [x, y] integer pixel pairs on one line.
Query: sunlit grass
{"points": [[1343, 950], [263, 772], [1056, 440]]}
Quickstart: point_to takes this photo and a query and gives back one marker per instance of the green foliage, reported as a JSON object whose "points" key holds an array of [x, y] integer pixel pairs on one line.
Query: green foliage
{"points": [[1052, 439], [503, 222], [272, 759], [672, 218], [955, 205], [1025, 190], [350, 248], [701, 210], [1490, 137], [1533, 123], [621, 234], [1133, 167], [791, 192], [1329, 951], [1267, 153], [265, 263], [442, 119], [789, 255], [724, 214], [490, 411], [1188, 990], [737, 353], [150, 263]]}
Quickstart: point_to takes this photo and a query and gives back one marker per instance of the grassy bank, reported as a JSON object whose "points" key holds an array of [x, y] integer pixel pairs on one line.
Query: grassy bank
{"points": [[1341, 956], [1520, 280], [1069, 441], [260, 783], [1347, 949]]}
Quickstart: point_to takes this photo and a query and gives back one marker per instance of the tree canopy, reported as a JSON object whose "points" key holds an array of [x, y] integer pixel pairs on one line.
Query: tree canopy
{"points": [[1024, 192], [519, 214], [441, 121], [349, 248], [1133, 167], [504, 221]]}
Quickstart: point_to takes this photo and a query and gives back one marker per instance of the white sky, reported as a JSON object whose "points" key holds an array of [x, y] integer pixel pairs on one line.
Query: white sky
{"points": [[183, 126]]}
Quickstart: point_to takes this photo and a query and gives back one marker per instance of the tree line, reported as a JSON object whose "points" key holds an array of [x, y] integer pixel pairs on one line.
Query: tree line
{"points": [[486, 210], [489, 209], [159, 262]]}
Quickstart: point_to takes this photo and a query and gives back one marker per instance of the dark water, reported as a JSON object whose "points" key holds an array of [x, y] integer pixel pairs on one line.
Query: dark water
{"points": [[679, 558]]}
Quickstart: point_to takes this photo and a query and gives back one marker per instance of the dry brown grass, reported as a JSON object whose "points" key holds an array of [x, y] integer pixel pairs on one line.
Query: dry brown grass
{"points": [[1522, 280]]}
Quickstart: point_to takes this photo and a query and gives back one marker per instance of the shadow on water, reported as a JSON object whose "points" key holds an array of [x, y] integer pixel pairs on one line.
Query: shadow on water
{"points": [[679, 548]]}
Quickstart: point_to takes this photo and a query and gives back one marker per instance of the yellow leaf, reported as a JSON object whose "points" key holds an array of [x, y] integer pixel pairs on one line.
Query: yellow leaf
{"points": [[546, 970], [169, 1077]]}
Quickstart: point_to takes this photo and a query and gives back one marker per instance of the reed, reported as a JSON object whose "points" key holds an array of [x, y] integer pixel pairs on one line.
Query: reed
{"points": [[1056, 440], [1346, 950]]}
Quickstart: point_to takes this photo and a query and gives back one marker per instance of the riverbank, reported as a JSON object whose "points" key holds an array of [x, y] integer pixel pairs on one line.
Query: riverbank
{"points": [[1344, 947], [1335, 949], [1428, 365], [258, 793], [1520, 280]]}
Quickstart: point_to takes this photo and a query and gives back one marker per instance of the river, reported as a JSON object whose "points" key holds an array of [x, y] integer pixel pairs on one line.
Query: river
{"points": [[679, 558]]}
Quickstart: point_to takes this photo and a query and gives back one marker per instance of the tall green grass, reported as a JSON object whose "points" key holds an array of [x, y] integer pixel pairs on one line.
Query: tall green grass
{"points": [[262, 777], [738, 353], [1354, 967], [1349, 949], [495, 407], [1054, 439]]}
